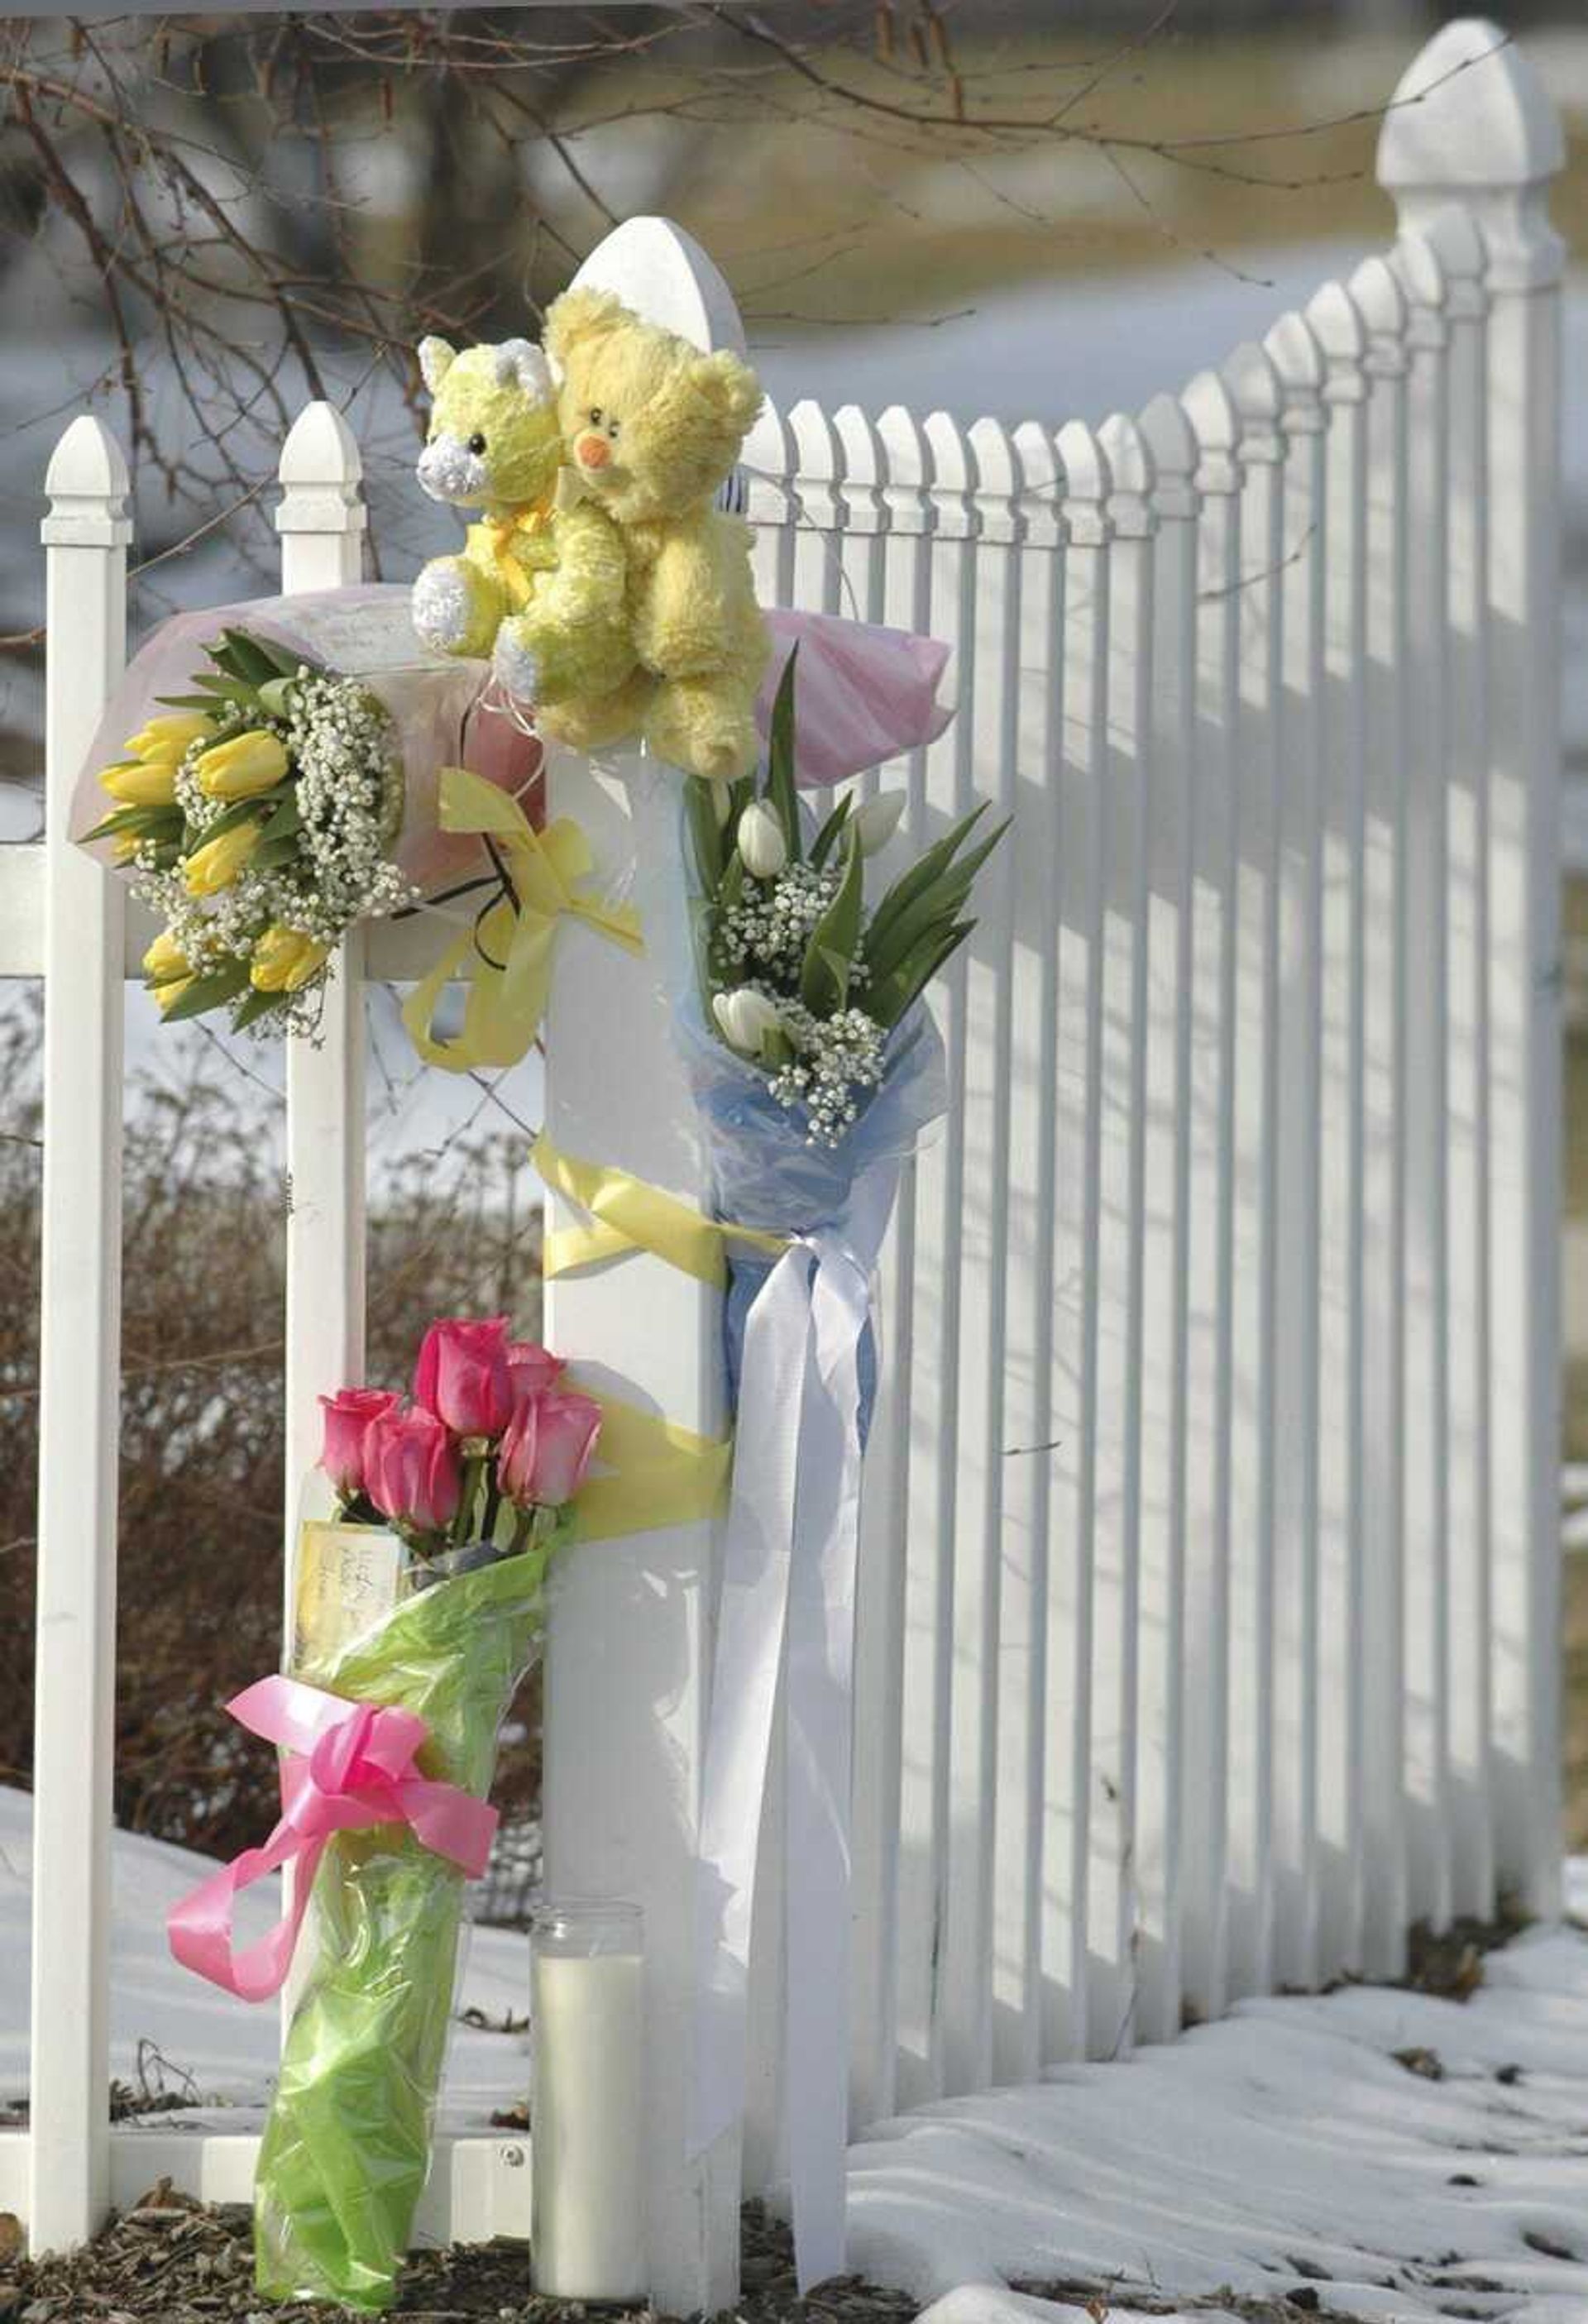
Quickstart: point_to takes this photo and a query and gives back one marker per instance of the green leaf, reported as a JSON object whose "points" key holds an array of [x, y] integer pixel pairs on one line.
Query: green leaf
{"points": [[705, 834], [285, 817], [888, 1002], [250, 658], [780, 789], [254, 1005], [823, 981], [925, 870], [240, 811], [826, 837], [938, 905], [275, 854], [207, 993], [146, 822], [205, 702], [731, 887]]}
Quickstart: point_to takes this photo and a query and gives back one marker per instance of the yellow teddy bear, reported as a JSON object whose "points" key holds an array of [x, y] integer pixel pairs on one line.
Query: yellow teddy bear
{"points": [[652, 431], [542, 588]]}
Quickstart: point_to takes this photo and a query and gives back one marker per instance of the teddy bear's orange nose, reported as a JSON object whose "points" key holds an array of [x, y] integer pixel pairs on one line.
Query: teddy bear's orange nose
{"points": [[592, 451]]}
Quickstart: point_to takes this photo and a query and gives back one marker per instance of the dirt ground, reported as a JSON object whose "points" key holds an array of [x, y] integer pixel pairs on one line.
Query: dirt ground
{"points": [[172, 2259]]}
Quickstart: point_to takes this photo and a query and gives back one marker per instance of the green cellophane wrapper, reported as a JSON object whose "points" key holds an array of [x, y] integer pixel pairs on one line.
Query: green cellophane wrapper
{"points": [[346, 2146]]}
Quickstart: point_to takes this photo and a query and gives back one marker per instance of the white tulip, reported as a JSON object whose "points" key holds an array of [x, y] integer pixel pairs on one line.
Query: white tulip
{"points": [[877, 821], [761, 843], [745, 1017]]}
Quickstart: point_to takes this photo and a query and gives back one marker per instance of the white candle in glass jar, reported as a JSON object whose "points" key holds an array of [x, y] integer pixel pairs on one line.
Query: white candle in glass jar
{"points": [[586, 2118]]}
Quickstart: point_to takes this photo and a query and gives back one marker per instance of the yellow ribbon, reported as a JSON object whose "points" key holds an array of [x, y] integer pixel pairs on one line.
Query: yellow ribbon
{"points": [[627, 1213], [663, 1475], [500, 537], [507, 955]]}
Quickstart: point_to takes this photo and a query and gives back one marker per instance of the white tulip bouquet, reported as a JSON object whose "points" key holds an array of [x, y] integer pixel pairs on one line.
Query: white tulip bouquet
{"points": [[798, 974]]}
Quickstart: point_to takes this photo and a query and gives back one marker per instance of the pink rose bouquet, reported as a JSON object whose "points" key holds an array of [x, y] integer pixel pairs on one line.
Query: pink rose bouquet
{"points": [[475, 1475], [483, 1461]]}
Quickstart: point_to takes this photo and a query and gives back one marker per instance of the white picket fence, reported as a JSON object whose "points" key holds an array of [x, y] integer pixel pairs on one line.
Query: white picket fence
{"points": [[1208, 1631]]}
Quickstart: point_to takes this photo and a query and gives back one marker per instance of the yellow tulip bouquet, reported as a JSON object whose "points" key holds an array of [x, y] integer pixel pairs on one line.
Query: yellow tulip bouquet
{"points": [[257, 816]]}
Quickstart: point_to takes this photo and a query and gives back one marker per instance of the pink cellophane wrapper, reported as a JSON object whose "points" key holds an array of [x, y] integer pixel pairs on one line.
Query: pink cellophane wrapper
{"points": [[445, 711], [864, 694]]}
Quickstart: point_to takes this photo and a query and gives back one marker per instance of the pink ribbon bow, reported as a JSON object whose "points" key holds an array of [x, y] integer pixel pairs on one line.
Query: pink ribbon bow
{"points": [[351, 1766]]}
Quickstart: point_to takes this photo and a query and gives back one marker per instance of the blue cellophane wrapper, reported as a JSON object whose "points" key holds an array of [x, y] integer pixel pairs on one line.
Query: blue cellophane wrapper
{"points": [[765, 1174]]}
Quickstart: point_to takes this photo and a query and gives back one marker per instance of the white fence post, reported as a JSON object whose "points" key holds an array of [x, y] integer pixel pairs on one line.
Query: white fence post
{"points": [[321, 519], [85, 534], [632, 1626], [1471, 123]]}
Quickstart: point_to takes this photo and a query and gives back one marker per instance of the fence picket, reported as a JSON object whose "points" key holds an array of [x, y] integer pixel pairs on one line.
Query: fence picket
{"points": [[1425, 935], [1383, 312], [1028, 1709], [86, 536], [322, 520], [895, 1504], [1254, 386], [968, 1599], [1342, 1635], [1166, 1037], [1457, 245], [1116, 1537], [1070, 1779], [1298, 362], [1204, 1800]]}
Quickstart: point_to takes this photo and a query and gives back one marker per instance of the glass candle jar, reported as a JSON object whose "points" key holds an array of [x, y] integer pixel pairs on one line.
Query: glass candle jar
{"points": [[587, 2126]]}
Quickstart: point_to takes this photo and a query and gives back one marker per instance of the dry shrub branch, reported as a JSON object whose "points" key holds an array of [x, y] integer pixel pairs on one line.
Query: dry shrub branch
{"points": [[201, 1442]]}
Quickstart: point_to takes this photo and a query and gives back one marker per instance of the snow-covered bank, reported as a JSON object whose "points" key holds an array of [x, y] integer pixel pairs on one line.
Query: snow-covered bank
{"points": [[1288, 2149], [226, 2046], [1395, 2157]]}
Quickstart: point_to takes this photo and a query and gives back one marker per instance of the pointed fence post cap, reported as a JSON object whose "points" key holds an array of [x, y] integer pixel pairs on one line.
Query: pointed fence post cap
{"points": [[662, 272], [320, 472], [87, 484], [1469, 112]]}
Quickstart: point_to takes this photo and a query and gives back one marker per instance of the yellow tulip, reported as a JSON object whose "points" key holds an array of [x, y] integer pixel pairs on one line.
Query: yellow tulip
{"points": [[165, 959], [284, 959], [170, 738], [215, 864], [172, 991], [248, 763], [146, 782], [125, 846]]}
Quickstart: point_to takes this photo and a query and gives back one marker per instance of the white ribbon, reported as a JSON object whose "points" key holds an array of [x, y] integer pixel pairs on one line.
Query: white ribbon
{"points": [[789, 1582]]}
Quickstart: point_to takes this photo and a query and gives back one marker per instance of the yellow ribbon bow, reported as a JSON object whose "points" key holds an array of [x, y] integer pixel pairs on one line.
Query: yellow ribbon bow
{"points": [[512, 539], [507, 954]]}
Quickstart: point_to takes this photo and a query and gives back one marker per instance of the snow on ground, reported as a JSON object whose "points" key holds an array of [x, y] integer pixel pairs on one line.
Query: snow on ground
{"points": [[1282, 2148], [227, 2046]]}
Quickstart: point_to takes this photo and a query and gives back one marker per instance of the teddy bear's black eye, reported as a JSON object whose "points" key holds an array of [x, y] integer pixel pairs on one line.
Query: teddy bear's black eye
{"points": [[477, 445], [612, 430], [596, 416]]}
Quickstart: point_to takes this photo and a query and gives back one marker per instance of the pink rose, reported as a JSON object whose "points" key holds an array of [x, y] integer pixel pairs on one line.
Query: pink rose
{"points": [[548, 1449], [531, 1367], [348, 1417], [515, 1461], [411, 1470], [463, 1376]]}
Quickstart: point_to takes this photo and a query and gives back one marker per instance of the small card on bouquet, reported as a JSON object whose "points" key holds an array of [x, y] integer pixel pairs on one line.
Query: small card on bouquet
{"points": [[345, 1578]]}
